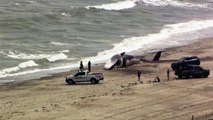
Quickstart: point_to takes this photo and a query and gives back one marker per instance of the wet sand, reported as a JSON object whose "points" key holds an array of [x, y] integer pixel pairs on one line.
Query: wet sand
{"points": [[120, 96]]}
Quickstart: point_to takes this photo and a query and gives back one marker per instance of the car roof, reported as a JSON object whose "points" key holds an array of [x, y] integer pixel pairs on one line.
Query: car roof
{"points": [[189, 57], [193, 66]]}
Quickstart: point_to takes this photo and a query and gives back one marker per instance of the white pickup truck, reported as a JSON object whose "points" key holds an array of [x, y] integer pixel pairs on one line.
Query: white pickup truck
{"points": [[84, 76]]}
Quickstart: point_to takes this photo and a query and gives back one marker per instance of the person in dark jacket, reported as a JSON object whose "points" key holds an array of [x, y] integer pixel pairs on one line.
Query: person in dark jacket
{"points": [[124, 62], [139, 75], [168, 72], [89, 66], [81, 66]]}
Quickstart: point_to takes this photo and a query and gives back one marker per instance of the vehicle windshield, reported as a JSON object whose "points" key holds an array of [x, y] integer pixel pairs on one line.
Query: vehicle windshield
{"points": [[79, 74], [198, 68]]}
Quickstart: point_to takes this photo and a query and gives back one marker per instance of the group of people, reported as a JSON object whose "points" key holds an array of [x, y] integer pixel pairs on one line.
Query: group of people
{"points": [[81, 68], [157, 79]]}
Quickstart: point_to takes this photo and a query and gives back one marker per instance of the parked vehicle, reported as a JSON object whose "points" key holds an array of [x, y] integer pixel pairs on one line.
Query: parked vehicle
{"points": [[191, 71], [184, 61], [84, 76]]}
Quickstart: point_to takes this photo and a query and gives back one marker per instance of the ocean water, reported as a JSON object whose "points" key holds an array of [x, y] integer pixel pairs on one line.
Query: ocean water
{"points": [[42, 37]]}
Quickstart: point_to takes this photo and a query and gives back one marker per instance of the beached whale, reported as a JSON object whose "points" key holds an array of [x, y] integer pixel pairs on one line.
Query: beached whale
{"points": [[123, 60]]}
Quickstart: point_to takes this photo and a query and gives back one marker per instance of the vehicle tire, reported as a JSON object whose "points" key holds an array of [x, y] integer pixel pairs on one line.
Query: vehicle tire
{"points": [[97, 81], [93, 80], [194, 76], [187, 76], [180, 76], [70, 81], [205, 76]]}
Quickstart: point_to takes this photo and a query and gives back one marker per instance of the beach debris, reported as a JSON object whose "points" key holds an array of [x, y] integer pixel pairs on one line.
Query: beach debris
{"points": [[45, 109], [83, 97], [157, 79], [132, 84]]}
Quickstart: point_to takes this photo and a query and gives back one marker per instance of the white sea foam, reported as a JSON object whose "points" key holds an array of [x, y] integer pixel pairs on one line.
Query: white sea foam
{"points": [[174, 3], [64, 14], [31, 3], [50, 57], [170, 35], [43, 72], [56, 57], [23, 65], [19, 73], [17, 4], [64, 51], [58, 43], [27, 64], [132, 3], [115, 6], [24, 56], [9, 70]]}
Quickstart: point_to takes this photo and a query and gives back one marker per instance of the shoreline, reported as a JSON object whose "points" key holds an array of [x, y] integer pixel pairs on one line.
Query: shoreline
{"points": [[61, 74], [50, 76], [55, 74], [119, 95]]}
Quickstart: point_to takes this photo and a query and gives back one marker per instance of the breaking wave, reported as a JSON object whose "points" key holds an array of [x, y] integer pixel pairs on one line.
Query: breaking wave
{"points": [[169, 36], [132, 3], [174, 3], [59, 43], [64, 51], [3, 75], [49, 57], [10, 71], [24, 56], [56, 57], [20, 66], [115, 6]]}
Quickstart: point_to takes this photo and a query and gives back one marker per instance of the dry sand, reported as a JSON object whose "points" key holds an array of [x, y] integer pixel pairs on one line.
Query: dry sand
{"points": [[120, 96]]}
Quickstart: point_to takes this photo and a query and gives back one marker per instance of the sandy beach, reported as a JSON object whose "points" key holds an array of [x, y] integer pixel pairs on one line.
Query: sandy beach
{"points": [[120, 96]]}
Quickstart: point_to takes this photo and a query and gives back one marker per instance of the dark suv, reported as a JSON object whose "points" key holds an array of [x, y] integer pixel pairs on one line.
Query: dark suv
{"points": [[184, 61], [191, 71]]}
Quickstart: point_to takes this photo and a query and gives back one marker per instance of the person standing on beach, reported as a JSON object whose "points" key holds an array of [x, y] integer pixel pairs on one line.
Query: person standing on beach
{"points": [[89, 66], [139, 75], [168, 72], [81, 66], [124, 62]]}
